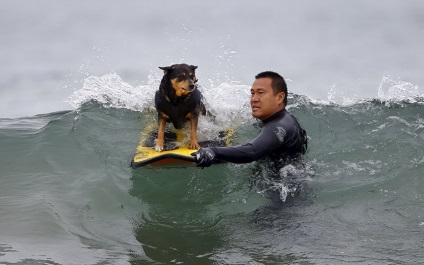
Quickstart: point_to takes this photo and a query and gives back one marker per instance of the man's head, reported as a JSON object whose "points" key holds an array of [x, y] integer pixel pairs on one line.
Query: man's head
{"points": [[268, 95]]}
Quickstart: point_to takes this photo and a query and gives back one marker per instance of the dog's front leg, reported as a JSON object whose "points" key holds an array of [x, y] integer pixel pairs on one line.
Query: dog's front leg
{"points": [[193, 133], [159, 142]]}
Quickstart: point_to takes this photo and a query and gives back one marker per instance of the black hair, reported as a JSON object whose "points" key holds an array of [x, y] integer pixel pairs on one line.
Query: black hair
{"points": [[278, 83]]}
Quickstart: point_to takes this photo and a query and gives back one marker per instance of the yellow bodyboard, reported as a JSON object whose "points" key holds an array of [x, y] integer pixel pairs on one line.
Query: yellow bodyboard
{"points": [[176, 151]]}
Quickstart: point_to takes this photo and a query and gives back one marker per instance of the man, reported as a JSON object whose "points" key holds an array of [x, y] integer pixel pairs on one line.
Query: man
{"points": [[280, 135]]}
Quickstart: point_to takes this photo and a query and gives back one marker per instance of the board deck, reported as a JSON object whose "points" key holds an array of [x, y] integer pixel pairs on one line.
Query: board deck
{"points": [[176, 152]]}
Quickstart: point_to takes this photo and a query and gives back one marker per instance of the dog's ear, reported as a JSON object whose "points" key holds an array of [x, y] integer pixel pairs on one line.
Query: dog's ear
{"points": [[193, 67], [165, 69]]}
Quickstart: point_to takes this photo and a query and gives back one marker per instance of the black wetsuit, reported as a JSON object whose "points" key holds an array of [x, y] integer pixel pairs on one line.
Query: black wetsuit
{"points": [[280, 136]]}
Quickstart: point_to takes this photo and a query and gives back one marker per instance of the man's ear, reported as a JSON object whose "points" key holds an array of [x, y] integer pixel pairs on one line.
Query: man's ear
{"points": [[281, 97]]}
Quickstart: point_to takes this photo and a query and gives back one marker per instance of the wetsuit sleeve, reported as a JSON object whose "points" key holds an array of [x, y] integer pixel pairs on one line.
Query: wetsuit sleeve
{"points": [[265, 142]]}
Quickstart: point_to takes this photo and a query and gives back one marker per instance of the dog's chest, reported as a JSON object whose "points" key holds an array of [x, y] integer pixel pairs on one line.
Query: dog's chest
{"points": [[175, 100]]}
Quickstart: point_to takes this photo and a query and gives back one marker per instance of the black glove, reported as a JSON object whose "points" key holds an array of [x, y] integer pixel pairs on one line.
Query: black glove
{"points": [[204, 157]]}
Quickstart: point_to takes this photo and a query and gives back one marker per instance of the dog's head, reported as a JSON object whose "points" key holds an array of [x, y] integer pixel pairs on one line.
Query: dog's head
{"points": [[182, 76]]}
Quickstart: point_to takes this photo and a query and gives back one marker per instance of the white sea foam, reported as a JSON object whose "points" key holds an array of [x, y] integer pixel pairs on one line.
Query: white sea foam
{"points": [[397, 90], [391, 90], [227, 104], [111, 91]]}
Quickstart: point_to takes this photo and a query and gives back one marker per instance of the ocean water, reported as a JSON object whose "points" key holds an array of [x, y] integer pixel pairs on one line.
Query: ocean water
{"points": [[76, 90], [69, 196]]}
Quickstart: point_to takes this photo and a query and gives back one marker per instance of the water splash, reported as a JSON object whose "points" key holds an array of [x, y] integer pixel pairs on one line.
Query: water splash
{"points": [[231, 98], [282, 178], [395, 90], [112, 92], [227, 104]]}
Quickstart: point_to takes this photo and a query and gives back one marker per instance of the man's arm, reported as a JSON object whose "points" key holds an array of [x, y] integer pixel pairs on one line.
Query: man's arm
{"points": [[264, 143]]}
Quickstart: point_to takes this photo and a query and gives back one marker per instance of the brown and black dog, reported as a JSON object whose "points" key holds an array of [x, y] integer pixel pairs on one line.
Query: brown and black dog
{"points": [[178, 101]]}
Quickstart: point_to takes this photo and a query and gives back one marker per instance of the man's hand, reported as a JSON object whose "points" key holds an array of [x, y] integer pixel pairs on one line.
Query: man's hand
{"points": [[204, 157]]}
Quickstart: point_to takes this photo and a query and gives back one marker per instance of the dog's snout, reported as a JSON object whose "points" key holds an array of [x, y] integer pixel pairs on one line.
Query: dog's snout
{"points": [[191, 86]]}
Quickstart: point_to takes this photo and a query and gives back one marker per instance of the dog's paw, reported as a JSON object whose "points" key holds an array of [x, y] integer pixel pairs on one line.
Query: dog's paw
{"points": [[194, 146], [158, 146]]}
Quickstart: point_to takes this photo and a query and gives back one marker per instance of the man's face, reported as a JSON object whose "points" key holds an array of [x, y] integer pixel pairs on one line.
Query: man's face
{"points": [[263, 102]]}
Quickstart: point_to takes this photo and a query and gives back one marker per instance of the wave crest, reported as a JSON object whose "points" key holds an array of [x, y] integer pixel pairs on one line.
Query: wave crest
{"points": [[228, 103], [111, 91]]}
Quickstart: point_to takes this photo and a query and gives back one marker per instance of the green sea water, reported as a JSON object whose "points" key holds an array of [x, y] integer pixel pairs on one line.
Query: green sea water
{"points": [[69, 196]]}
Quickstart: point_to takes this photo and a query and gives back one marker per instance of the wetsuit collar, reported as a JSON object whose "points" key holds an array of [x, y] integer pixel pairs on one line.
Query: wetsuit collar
{"points": [[280, 113]]}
